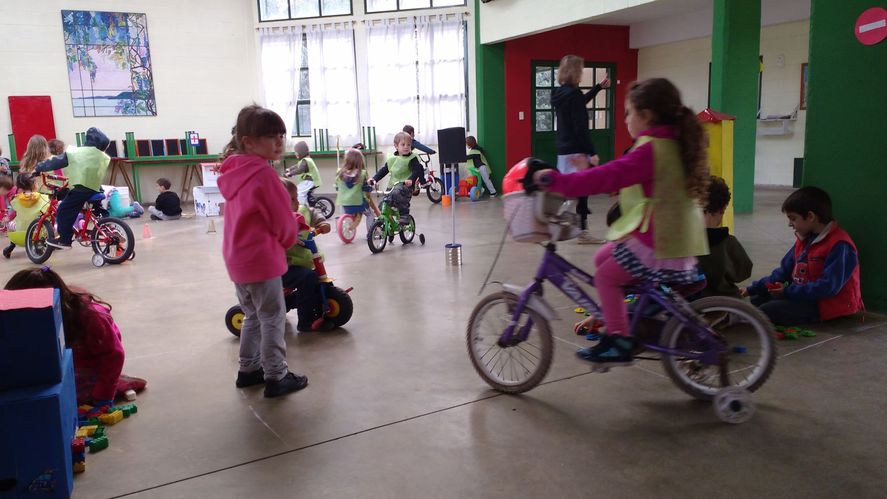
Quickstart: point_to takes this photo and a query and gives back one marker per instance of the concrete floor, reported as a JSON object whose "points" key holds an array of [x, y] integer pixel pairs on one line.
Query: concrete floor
{"points": [[394, 408]]}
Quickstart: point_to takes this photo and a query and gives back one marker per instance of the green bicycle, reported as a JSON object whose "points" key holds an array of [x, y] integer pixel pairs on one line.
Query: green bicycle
{"points": [[387, 225]]}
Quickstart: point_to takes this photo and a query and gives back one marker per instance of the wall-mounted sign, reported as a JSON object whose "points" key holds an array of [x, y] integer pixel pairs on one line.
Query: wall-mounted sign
{"points": [[871, 27]]}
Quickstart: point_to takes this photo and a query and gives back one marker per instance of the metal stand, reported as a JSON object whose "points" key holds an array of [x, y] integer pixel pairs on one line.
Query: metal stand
{"points": [[454, 249]]}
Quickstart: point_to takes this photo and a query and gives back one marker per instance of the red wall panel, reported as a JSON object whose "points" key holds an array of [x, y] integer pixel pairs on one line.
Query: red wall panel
{"points": [[591, 42], [30, 115]]}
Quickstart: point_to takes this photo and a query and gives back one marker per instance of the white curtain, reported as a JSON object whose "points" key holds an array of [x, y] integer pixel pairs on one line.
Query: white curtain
{"points": [[333, 82], [391, 69], [441, 75], [281, 56]]}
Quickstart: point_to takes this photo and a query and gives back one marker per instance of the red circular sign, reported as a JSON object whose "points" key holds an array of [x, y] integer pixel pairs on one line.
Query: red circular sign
{"points": [[871, 27]]}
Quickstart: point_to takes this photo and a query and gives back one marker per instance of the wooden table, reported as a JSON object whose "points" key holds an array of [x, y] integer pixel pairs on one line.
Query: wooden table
{"points": [[191, 164]]}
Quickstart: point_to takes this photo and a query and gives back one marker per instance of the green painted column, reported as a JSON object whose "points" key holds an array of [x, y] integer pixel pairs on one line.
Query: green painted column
{"points": [[844, 147], [490, 74], [735, 66]]}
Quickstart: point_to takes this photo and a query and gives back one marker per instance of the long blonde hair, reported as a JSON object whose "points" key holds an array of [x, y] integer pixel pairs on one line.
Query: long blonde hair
{"points": [[37, 151], [353, 163]]}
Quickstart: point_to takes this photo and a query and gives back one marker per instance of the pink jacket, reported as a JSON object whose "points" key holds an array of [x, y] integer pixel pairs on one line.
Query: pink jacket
{"points": [[98, 356], [636, 167], [259, 225]]}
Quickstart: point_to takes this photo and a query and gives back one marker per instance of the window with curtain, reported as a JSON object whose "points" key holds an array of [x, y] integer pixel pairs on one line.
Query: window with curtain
{"points": [[281, 58], [417, 76], [281, 10], [333, 82], [395, 5]]}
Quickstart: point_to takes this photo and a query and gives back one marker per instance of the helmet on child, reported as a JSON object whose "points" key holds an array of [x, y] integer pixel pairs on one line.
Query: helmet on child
{"points": [[512, 180]]}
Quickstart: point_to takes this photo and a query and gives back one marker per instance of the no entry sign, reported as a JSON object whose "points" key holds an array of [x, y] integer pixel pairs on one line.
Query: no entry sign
{"points": [[871, 27]]}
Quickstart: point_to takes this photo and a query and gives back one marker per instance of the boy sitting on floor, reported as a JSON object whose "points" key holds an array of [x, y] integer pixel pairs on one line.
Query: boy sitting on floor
{"points": [[168, 206], [818, 279], [727, 262]]}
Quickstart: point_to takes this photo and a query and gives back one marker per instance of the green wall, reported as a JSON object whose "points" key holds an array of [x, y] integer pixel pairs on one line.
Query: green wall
{"points": [[845, 146], [490, 73], [735, 48]]}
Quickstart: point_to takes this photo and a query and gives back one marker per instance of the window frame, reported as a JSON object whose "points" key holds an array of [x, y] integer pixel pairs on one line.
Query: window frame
{"points": [[297, 129], [289, 12], [398, 9]]}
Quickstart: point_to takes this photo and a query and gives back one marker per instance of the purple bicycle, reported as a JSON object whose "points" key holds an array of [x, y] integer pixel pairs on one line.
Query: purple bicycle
{"points": [[715, 348]]}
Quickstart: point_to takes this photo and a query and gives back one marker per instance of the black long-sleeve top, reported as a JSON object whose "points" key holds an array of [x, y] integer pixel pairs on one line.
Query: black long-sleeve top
{"points": [[416, 170], [572, 119]]}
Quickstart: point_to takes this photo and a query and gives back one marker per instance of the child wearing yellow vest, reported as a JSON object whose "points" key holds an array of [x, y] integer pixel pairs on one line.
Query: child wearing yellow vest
{"points": [[85, 167], [477, 157], [352, 186], [405, 169], [28, 205], [305, 172], [661, 230], [305, 267]]}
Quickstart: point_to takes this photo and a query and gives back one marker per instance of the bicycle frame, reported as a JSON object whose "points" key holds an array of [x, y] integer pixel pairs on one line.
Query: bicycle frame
{"points": [[564, 275], [51, 214]]}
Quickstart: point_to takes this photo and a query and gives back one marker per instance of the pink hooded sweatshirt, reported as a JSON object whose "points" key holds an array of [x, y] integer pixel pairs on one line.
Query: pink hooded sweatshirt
{"points": [[259, 225]]}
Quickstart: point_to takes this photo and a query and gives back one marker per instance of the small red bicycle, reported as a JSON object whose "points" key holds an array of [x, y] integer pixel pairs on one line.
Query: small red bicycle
{"points": [[111, 239]]}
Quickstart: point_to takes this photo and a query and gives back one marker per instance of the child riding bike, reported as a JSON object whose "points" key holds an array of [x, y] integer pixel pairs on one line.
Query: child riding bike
{"points": [[405, 169], [661, 229]]}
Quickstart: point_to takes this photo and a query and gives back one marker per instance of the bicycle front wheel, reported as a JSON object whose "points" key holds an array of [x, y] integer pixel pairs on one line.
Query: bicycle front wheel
{"points": [[376, 236], [435, 190], [325, 205], [35, 241], [521, 364], [748, 340]]}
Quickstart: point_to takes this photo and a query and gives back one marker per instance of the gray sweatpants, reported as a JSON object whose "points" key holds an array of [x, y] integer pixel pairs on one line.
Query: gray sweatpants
{"points": [[159, 214], [261, 336]]}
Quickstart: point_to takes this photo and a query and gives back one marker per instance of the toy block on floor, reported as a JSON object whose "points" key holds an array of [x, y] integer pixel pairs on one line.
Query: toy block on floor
{"points": [[112, 418], [78, 445], [98, 444], [86, 431], [79, 467]]}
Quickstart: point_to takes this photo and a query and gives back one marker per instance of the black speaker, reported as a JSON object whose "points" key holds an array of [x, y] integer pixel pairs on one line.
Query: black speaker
{"points": [[451, 145]]}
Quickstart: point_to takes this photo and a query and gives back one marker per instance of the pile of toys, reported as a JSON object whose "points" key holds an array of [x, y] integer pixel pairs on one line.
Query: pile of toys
{"points": [[91, 433], [793, 333]]}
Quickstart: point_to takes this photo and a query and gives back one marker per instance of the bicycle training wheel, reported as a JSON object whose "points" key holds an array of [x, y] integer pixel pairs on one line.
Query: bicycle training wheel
{"points": [[748, 338], [521, 364]]}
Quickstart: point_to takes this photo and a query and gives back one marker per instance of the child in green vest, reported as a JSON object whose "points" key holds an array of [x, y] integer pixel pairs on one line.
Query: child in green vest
{"points": [[28, 205], [477, 157], [352, 186], [305, 172], [86, 167], [305, 267], [405, 169], [660, 231]]}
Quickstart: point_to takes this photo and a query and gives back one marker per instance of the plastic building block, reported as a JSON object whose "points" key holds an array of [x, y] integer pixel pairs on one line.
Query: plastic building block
{"points": [[79, 467], [86, 431], [780, 335], [98, 444], [99, 432], [131, 394], [807, 333], [579, 310], [78, 445], [128, 409], [112, 418], [790, 335], [79, 456]]}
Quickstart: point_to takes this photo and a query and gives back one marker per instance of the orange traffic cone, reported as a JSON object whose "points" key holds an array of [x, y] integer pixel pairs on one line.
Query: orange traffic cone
{"points": [[146, 232]]}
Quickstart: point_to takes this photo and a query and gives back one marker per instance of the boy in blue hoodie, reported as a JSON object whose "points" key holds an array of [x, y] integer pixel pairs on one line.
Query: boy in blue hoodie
{"points": [[87, 166]]}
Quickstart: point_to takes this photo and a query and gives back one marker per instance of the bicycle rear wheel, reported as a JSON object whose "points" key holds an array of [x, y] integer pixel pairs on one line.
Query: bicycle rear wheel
{"points": [[113, 239], [750, 349], [519, 366]]}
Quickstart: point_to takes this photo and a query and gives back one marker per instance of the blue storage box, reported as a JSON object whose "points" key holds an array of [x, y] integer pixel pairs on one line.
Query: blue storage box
{"points": [[36, 428], [31, 338]]}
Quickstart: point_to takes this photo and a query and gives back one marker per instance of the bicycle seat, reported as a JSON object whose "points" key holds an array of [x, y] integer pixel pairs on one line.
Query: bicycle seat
{"points": [[96, 197]]}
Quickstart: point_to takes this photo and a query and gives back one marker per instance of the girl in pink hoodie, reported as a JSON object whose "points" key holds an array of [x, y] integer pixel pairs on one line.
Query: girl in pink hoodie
{"points": [[258, 230]]}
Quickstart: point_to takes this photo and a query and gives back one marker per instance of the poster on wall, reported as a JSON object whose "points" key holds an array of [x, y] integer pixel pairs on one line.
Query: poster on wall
{"points": [[109, 63]]}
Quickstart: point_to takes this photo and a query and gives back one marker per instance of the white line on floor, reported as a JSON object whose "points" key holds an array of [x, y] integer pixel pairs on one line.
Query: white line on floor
{"points": [[256, 414], [810, 346]]}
